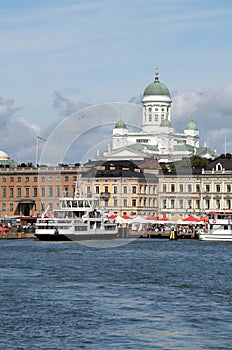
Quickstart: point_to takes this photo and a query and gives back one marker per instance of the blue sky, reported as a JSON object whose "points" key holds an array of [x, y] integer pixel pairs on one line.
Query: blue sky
{"points": [[57, 56]]}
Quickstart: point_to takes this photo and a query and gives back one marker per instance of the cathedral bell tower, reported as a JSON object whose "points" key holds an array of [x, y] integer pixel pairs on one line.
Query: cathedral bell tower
{"points": [[156, 103]]}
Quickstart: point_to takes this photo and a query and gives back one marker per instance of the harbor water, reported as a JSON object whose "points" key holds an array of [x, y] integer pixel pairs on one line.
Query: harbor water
{"points": [[146, 294]]}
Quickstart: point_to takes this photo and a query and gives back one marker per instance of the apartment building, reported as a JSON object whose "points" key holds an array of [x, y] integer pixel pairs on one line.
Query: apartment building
{"points": [[122, 187]]}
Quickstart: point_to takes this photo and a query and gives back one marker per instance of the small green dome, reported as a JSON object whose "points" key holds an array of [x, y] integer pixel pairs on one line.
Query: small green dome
{"points": [[120, 124], [156, 87], [191, 125], [166, 122]]}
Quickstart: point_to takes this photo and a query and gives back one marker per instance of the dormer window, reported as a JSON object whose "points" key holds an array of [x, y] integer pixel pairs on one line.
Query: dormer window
{"points": [[219, 167]]}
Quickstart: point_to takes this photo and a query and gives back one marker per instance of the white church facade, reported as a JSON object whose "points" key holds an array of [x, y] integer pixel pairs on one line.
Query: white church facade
{"points": [[157, 137]]}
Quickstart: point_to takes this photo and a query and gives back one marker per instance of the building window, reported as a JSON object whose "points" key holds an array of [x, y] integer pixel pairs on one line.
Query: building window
{"points": [[228, 188], [198, 189], [181, 203], [50, 178], [27, 178], [66, 191], [3, 179], [11, 207], [19, 192], [197, 204], [11, 179], [11, 194], [189, 187], [150, 118], [218, 188], [106, 189], [164, 203], [3, 192], [125, 189], [218, 204], [115, 202], [181, 188], [3, 206], [42, 191], [133, 202], [97, 190], [57, 191], [35, 179], [115, 189], [66, 178], [207, 204], [189, 204], [172, 202], [228, 204], [134, 189], [50, 191], [164, 187], [75, 178], [42, 179], [35, 191], [172, 187], [88, 190], [207, 188], [125, 202], [58, 178], [27, 192], [19, 179]]}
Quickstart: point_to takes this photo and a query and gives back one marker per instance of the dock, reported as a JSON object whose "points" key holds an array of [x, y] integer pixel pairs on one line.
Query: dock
{"points": [[16, 235]]}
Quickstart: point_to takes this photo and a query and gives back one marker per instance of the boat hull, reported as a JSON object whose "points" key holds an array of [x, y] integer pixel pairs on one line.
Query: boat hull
{"points": [[215, 237], [86, 236]]}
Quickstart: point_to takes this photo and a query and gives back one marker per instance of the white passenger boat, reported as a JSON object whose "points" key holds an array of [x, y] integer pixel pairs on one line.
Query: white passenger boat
{"points": [[219, 227], [77, 219]]}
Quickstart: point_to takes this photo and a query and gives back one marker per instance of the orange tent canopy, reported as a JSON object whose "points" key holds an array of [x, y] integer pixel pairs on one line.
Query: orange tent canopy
{"points": [[204, 218]]}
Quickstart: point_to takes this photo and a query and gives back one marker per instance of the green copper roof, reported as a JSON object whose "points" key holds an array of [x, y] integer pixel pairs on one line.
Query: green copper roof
{"points": [[191, 125], [156, 87], [166, 122], [120, 124]]}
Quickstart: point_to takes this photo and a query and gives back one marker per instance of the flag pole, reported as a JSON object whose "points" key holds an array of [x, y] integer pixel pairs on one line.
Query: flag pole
{"points": [[36, 151]]}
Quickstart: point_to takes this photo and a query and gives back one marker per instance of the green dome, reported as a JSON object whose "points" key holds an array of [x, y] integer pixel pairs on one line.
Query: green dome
{"points": [[120, 124], [156, 87], [166, 122], [191, 125]]}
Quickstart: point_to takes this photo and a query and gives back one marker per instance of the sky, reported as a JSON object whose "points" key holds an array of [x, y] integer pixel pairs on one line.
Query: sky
{"points": [[60, 57]]}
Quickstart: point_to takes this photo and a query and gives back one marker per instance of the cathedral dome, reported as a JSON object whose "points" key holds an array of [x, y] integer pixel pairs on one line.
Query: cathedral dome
{"points": [[156, 87], [166, 122], [120, 124], [191, 125], [4, 155]]}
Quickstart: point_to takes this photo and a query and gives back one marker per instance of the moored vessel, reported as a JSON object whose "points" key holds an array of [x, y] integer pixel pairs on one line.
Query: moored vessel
{"points": [[76, 219], [219, 227]]}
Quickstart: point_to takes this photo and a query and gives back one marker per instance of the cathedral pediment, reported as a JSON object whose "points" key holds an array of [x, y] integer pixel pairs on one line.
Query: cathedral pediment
{"points": [[124, 153]]}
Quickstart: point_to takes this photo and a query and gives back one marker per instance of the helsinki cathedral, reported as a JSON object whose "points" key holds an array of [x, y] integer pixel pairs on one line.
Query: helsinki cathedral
{"points": [[157, 137]]}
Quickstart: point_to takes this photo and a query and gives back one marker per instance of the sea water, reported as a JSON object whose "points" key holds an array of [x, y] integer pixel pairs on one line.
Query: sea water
{"points": [[146, 294]]}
